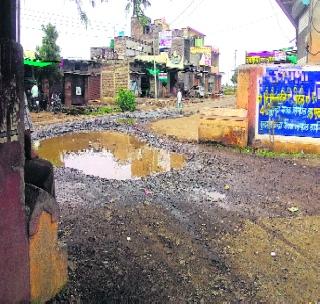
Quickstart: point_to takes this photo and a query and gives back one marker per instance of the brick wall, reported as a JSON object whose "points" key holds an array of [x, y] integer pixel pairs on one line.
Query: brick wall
{"points": [[68, 91], [94, 87], [114, 77], [136, 28]]}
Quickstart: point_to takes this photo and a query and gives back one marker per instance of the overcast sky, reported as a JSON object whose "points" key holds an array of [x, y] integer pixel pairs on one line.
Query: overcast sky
{"points": [[246, 25]]}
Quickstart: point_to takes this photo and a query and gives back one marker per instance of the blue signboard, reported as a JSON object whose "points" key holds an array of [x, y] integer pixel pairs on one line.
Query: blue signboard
{"points": [[289, 102]]}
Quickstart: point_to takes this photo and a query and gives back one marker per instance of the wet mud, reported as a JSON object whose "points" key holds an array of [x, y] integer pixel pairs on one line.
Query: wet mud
{"points": [[218, 230]]}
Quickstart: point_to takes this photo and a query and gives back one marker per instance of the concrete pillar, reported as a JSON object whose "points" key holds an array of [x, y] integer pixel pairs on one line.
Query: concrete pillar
{"points": [[14, 261], [247, 94]]}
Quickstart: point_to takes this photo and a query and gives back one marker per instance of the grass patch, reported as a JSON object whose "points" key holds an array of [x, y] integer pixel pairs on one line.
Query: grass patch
{"points": [[91, 111], [271, 154], [98, 111], [265, 153], [126, 121]]}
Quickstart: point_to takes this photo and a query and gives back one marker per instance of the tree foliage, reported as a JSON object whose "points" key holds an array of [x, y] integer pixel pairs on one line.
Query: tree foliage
{"points": [[137, 6], [49, 50], [234, 78]]}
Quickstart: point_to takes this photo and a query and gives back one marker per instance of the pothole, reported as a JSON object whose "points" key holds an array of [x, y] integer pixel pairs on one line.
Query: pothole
{"points": [[110, 155]]}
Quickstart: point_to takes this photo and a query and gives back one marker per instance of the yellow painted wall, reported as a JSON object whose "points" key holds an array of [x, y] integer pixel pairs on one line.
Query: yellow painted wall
{"points": [[48, 262], [231, 131]]}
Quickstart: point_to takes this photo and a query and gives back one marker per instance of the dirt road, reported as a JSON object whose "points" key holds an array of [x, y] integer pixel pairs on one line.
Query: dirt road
{"points": [[217, 231]]}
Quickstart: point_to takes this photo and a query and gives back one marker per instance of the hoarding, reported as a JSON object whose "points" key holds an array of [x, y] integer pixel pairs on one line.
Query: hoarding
{"points": [[165, 40], [278, 56], [289, 102], [205, 52]]}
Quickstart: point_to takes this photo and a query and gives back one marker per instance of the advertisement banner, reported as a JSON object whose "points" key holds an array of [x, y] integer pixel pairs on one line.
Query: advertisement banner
{"points": [[201, 50], [163, 76], [289, 102], [279, 56], [165, 40], [205, 52]]}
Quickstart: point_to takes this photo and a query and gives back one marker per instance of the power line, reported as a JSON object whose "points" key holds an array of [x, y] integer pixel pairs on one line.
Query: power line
{"points": [[195, 9], [277, 20], [64, 21], [181, 14]]}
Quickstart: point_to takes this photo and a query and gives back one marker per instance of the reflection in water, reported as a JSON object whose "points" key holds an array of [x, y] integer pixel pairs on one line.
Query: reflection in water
{"points": [[108, 154]]}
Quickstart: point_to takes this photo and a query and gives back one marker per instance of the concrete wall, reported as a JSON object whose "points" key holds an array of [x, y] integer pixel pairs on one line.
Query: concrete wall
{"points": [[314, 37], [248, 97], [14, 259], [223, 125], [308, 36], [127, 47]]}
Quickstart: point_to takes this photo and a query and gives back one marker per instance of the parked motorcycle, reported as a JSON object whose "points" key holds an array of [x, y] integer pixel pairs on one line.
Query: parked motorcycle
{"points": [[34, 105], [56, 104]]}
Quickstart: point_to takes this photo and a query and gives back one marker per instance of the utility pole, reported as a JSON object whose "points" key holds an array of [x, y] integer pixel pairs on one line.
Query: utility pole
{"points": [[154, 69], [235, 59]]}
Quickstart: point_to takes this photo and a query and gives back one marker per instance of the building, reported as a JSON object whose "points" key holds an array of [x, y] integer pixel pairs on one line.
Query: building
{"points": [[82, 81], [305, 17], [179, 58]]}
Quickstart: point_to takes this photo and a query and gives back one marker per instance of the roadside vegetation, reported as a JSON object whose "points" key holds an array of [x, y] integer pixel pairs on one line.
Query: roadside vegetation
{"points": [[266, 153], [126, 100], [91, 111]]}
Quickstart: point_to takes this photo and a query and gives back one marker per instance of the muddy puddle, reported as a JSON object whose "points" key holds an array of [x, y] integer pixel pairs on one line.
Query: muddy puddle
{"points": [[109, 155]]}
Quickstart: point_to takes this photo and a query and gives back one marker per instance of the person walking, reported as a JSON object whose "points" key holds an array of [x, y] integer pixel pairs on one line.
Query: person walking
{"points": [[179, 101], [35, 97]]}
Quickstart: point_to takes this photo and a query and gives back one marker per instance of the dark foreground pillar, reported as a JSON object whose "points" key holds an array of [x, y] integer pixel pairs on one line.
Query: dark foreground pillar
{"points": [[14, 261]]}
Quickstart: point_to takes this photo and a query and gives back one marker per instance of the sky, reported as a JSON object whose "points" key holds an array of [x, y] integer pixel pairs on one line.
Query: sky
{"points": [[233, 26]]}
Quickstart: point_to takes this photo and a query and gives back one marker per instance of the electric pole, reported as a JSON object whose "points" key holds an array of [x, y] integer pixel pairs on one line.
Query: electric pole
{"points": [[154, 70]]}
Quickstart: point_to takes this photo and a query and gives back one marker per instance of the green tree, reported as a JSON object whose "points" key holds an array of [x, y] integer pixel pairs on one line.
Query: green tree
{"points": [[138, 9], [49, 51], [234, 78]]}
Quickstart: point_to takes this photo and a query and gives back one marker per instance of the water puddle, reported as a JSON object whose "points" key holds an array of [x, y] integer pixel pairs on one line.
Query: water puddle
{"points": [[109, 155]]}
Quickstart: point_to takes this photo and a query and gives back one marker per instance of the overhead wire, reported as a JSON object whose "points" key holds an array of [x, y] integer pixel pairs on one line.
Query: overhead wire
{"points": [[277, 20], [183, 12], [195, 9]]}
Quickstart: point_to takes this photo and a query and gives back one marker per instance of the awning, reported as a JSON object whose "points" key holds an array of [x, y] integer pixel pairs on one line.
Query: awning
{"points": [[37, 63], [172, 62]]}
